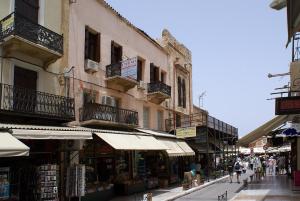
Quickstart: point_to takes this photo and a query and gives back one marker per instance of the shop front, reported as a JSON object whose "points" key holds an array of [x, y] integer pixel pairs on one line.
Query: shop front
{"points": [[43, 174], [120, 163]]}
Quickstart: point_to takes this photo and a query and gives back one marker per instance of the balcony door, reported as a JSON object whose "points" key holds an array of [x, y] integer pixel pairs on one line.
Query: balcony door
{"points": [[28, 9], [154, 73], [24, 91]]}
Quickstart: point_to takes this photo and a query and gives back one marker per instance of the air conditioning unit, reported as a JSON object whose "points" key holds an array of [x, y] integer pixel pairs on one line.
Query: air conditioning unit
{"points": [[91, 66], [142, 85], [108, 100]]}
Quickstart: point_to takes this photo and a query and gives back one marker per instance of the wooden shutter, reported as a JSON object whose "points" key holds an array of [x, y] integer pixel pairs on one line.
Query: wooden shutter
{"points": [[98, 47], [112, 52], [139, 69], [146, 117], [156, 74], [179, 90], [28, 9], [159, 120], [183, 93], [152, 72], [86, 44]]}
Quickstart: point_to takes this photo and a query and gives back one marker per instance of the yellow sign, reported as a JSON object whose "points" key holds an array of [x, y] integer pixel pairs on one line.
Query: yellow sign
{"points": [[186, 132], [8, 23]]}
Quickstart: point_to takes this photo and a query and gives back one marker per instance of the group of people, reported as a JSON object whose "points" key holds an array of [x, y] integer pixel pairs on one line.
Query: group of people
{"points": [[261, 166]]}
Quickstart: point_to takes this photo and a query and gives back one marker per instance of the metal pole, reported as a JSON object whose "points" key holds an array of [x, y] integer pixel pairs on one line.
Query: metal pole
{"points": [[215, 157], [207, 147]]}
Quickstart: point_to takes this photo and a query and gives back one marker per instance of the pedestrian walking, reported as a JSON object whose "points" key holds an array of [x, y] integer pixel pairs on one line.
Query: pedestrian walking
{"points": [[238, 169], [230, 169]]}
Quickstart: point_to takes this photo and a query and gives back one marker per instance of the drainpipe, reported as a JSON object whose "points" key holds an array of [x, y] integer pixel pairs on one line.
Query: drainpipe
{"points": [[190, 98]]}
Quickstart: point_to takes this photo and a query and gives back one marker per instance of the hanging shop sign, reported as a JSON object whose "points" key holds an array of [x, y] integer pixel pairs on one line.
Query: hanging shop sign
{"points": [[129, 68], [7, 24], [287, 105], [186, 132]]}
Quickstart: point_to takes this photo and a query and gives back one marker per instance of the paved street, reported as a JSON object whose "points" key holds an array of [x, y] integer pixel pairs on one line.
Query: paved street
{"points": [[211, 192]]}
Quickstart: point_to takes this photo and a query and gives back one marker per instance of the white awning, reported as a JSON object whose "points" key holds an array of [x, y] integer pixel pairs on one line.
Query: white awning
{"points": [[127, 141], [51, 134], [173, 148], [10, 146], [186, 148]]}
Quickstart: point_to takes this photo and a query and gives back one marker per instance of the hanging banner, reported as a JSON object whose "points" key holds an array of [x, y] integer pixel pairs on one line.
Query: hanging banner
{"points": [[186, 132], [129, 68]]}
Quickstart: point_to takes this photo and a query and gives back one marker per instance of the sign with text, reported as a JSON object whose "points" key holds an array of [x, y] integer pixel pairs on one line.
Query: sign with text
{"points": [[7, 24], [186, 132], [287, 105], [129, 68]]}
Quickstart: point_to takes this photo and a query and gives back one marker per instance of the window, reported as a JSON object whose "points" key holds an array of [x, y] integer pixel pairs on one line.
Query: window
{"points": [[92, 45], [178, 120], [146, 117], [183, 93], [89, 96], [154, 73], [159, 120], [163, 77], [116, 52], [28, 9], [139, 70], [181, 88]]}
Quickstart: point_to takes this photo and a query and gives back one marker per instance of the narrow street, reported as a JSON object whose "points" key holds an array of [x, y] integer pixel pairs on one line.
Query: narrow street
{"points": [[211, 192]]}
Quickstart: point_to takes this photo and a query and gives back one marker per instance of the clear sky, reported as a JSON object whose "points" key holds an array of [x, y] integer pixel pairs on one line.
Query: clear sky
{"points": [[234, 44]]}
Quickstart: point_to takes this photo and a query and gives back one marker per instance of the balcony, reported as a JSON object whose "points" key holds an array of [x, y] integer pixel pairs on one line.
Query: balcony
{"points": [[158, 92], [18, 34], [25, 102], [118, 78], [97, 114]]}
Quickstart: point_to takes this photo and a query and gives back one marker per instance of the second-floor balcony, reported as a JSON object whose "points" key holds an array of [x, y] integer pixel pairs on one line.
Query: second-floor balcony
{"points": [[200, 120], [158, 92], [18, 101], [19, 34], [98, 114], [119, 77]]}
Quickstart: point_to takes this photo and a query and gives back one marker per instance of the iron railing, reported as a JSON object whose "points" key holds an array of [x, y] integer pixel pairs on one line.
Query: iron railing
{"points": [[201, 119], [35, 103], [116, 70], [108, 113], [113, 70], [18, 25], [159, 87]]}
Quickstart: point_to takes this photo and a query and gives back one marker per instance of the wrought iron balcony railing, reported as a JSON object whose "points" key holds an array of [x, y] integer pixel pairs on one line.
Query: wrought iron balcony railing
{"points": [[29, 102], [108, 113], [159, 87], [116, 70], [113, 70], [18, 25]]}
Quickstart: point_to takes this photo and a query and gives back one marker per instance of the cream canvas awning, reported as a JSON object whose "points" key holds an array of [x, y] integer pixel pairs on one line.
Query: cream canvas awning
{"points": [[263, 130], [127, 141], [11, 147], [186, 148], [51, 134]]}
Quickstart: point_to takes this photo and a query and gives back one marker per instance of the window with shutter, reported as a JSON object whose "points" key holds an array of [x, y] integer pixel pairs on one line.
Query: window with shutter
{"points": [[28, 9], [146, 117], [179, 91], [159, 120], [163, 77], [139, 70], [183, 93], [116, 52], [92, 45], [152, 72]]}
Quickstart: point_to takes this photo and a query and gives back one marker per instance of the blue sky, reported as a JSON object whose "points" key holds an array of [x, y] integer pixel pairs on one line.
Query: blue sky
{"points": [[234, 45]]}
